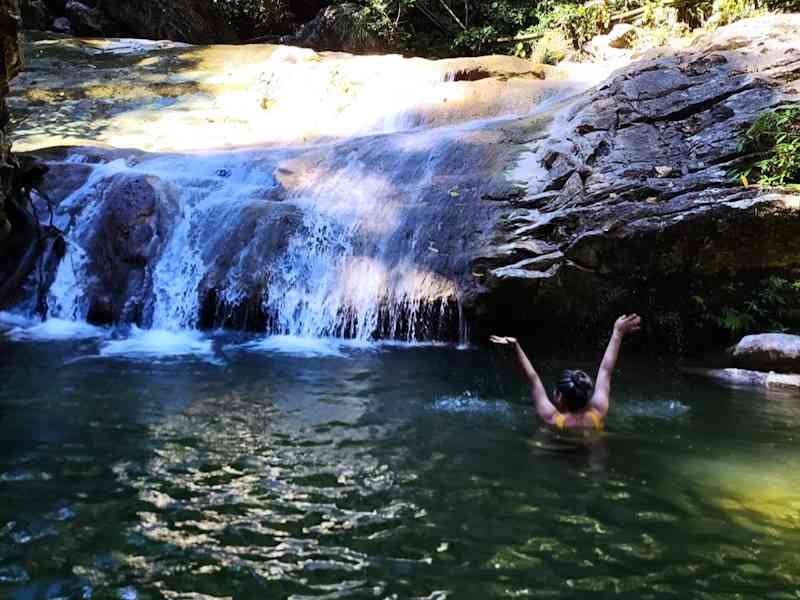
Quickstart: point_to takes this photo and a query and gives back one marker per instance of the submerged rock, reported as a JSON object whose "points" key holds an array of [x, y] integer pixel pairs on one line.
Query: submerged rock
{"points": [[768, 352], [743, 377]]}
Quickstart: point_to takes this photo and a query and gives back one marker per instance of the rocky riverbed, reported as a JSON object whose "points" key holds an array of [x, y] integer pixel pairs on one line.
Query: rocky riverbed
{"points": [[553, 208]]}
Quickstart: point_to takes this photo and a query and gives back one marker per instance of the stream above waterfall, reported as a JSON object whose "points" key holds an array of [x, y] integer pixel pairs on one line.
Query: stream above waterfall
{"points": [[159, 464]]}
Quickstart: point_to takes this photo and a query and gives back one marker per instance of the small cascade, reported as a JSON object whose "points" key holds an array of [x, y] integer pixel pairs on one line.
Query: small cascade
{"points": [[463, 328], [339, 240], [365, 235]]}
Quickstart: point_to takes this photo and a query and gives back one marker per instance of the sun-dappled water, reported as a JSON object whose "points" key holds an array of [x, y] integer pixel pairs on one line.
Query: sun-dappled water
{"points": [[171, 465]]}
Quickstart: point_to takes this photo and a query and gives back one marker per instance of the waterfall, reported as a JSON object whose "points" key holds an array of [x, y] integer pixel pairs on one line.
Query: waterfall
{"points": [[337, 240], [364, 232]]}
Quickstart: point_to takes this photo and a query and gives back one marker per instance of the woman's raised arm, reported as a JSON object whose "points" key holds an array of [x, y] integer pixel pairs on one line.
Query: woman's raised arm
{"points": [[602, 388], [544, 407]]}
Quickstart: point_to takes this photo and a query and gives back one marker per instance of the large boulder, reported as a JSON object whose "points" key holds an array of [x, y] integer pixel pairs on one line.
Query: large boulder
{"points": [[629, 202], [778, 352], [137, 212]]}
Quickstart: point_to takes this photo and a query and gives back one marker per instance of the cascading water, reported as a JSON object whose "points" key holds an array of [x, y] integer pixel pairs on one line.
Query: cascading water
{"points": [[352, 247], [364, 237]]}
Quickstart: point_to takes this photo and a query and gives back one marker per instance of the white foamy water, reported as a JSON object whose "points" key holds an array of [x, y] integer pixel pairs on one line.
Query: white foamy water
{"points": [[66, 296], [653, 409], [301, 346], [52, 329], [469, 403], [338, 269], [157, 343], [11, 319]]}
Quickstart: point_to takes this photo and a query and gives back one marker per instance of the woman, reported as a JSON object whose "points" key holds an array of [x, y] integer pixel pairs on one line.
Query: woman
{"points": [[579, 405]]}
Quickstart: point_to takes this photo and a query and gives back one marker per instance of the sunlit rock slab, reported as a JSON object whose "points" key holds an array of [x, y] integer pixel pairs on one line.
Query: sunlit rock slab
{"points": [[163, 96]]}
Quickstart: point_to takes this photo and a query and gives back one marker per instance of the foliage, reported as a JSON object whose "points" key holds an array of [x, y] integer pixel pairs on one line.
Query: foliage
{"points": [[369, 26], [579, 23], [728, 11], [775, 138], [741, 308], [551, 49], [257, 16], [447, 27]]}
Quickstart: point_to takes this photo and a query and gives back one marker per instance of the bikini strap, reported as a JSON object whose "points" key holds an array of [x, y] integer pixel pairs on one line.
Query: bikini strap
{"points": [[597, 420], [560, 421]]}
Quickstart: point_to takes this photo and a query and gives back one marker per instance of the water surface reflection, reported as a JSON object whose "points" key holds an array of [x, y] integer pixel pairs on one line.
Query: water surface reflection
{"points": [[379, 472]]}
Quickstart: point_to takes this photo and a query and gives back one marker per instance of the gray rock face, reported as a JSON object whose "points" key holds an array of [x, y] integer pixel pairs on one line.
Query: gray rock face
{"points": [[137, 215], [768, 352], [636, 209], [15, 234]]}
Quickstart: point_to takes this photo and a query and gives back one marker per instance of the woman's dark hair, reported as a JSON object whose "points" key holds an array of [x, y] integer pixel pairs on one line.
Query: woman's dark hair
{"points": [[575, 388]]}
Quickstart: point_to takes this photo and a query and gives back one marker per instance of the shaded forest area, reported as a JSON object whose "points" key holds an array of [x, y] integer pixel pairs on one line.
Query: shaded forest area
{"points": [[547, 30]]}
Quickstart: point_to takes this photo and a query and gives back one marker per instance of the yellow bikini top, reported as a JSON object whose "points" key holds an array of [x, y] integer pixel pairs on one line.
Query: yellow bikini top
{"points": [[597, 421]]}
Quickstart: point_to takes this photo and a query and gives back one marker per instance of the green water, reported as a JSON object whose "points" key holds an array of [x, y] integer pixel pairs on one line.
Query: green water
{"points": [[381, 473]]}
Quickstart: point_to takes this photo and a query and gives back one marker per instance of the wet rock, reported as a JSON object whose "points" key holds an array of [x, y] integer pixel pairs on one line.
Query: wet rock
{"points": [[35, 14], [85, 20], [136, 215], [637, 194], [62, 25], [232, 291], [101, 310], [768, 352], [743, 377]]}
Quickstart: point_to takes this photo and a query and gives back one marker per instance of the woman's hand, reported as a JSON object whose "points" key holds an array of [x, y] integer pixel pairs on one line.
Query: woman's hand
{"points": [[628, 324], [496, 339]]}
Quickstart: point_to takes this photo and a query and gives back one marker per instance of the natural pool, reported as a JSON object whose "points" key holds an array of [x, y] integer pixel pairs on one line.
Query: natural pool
{"points": [[280, 468]]}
